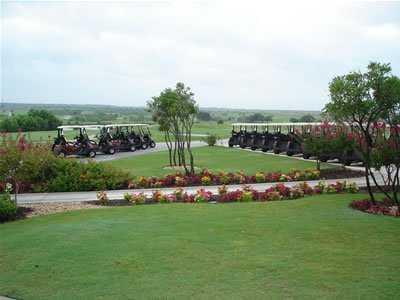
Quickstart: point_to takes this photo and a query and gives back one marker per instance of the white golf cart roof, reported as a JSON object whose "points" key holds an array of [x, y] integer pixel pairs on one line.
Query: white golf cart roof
{"points": [[74, 127], [126, 125]]}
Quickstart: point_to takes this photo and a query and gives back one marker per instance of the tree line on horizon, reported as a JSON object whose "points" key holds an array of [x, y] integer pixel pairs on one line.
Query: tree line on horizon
{"points": [[33, 120]]}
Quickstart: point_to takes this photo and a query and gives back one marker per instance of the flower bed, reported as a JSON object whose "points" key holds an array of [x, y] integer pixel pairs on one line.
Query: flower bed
{"points": [[205, 178], [35, 169], [384, 207], [246, 194]]}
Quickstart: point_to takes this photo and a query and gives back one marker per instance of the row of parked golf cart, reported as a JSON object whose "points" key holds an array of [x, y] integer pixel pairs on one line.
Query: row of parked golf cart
{"points": [[284, 138], [108, 139]]}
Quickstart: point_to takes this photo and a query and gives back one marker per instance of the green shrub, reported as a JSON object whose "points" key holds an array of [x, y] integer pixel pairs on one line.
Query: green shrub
{"points": [[102, 197], [352, 188], [210, 139], [37, 169], [72, 176], [8, 209], [128, 197], [260, 177], [247, 196]]}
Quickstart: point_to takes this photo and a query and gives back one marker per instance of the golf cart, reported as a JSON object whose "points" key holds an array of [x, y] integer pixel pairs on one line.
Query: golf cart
{"points": [[81, 146], [145, 136], [260, 137], [248, 135], [252, 135], [120, 137], [235, 134]]}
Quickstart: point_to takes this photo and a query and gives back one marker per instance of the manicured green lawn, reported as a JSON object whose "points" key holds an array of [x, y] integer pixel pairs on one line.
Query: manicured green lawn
{"points": [[314, 248], [216, 159]]}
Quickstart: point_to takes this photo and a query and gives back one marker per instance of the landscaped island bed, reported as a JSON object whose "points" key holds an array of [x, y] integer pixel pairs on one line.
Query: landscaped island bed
{"points": [[215, 159], [43, 172], [315, 247]]}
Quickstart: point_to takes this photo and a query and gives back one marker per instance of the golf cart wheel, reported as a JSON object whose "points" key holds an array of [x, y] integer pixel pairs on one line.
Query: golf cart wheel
{"points": [[323, 159], [264, 149], [144, 146], [152, 144], [306, 156], [132, 148], [346, 162], [92, 154], [111, 151], [253, 148], [276, 151], [60, 154], [289, 153]]}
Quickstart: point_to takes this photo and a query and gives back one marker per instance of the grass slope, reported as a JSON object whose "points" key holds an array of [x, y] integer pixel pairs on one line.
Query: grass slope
{"points": [[312, 248], [216, 159]]}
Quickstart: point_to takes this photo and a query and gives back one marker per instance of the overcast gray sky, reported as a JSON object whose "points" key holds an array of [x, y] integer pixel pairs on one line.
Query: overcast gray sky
{"points": [[248, 54]]}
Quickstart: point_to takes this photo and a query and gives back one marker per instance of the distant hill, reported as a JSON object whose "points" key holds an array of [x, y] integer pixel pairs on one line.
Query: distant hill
{"points": [[90, 113]]}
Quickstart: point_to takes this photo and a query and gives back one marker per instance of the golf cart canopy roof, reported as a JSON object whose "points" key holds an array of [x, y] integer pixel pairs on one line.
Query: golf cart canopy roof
{"points": [[125, 125], [74, 127]]}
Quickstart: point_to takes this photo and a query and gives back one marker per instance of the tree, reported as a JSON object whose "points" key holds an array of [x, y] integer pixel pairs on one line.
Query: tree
{"points": [[258, 117], [316, 146], [204, 116], [175, 111], [327, 141], [187, 111], [361, 100], [385, 156], [307, 118], [32, 121], [304, 119]]}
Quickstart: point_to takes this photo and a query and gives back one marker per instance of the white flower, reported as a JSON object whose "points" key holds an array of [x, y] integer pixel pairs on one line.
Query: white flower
{"points": [[8, 188]]}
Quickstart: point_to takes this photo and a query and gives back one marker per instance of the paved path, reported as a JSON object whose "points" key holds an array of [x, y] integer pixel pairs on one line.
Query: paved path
{"points": [[119, 155], [118, 194]]}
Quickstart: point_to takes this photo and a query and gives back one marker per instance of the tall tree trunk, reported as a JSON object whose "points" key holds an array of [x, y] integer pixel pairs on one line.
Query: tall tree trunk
{"points": [[169, 146], [174, 155], [189, 147], [183, 158], [396, 184], [367, 160], [369, 188]]}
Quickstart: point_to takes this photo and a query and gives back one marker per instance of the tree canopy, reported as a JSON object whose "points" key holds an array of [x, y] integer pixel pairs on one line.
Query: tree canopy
{"points": [[362, 100], [257, 117], [34, 120], [175, 111]]}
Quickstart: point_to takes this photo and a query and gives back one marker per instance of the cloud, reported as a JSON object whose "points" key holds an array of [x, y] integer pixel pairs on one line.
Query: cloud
{"points": [[384, 32], [251, 54]]}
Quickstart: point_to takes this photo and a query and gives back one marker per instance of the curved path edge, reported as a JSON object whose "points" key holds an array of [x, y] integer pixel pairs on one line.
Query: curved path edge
{"points": [[30, 198]]}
